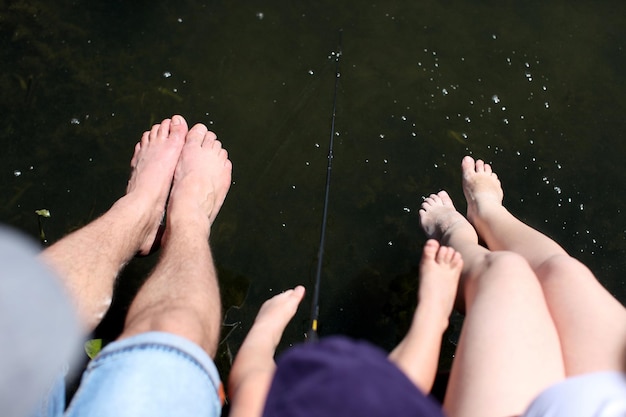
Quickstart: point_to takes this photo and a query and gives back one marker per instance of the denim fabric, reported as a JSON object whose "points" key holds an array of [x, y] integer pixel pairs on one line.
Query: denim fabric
{"points": [[152, 374]]}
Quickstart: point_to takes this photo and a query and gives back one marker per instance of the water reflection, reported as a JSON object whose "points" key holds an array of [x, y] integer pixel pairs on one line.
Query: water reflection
{"points": [[534, 88]]}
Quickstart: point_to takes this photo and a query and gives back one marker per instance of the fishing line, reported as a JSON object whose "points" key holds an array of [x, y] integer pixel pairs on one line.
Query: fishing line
{"points": [[315, 307]]}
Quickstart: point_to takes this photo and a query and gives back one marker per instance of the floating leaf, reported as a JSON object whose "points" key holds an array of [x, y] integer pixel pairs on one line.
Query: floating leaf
{"points": [[93, 347], [43, 212]]}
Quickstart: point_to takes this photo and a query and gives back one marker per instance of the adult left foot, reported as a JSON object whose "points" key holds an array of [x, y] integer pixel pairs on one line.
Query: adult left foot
{"points": [[440, 270], [201, 181], [153, 165]]}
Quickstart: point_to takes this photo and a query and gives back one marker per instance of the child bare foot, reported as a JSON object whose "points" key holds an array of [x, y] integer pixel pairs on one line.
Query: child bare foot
{"points": [[274, 316], [153, 164], [201, 180], [253, 369], [439, 219], [481, 187]]}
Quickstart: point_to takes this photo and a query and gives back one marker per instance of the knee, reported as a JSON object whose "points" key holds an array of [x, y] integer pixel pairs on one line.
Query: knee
{"points": [[563, 266], [501, 268], [180, 321], [506, 262]]}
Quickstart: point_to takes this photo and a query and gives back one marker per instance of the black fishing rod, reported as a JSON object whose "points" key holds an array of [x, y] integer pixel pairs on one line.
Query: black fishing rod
{"points": [[315, 305]]}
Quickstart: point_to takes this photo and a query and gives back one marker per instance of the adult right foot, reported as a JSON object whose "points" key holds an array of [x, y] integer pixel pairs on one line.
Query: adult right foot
{"points": [[482, 189], [201, 181]]}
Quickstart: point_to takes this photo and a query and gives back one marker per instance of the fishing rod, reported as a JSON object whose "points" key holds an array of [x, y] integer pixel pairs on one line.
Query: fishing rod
{"points": [[315, 306]]}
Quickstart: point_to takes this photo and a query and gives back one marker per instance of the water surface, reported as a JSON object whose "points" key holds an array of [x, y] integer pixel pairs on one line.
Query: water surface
{"points": [[535, 88]]}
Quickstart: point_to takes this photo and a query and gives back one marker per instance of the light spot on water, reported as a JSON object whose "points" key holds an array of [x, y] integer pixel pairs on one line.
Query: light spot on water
{"points": [[260, 15]]}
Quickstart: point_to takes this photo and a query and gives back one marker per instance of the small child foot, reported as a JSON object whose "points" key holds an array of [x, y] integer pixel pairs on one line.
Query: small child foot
{"points": [[275, 314]]}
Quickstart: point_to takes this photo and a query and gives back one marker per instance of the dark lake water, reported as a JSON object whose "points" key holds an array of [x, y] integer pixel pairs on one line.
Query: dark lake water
{"points": [[534, 87]]}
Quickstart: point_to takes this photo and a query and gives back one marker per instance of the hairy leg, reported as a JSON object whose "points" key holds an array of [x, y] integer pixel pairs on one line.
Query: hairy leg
{"points": [[418, 353], [182, 295], [252, 372], [89, 259], [509, 350], [590, 321]]}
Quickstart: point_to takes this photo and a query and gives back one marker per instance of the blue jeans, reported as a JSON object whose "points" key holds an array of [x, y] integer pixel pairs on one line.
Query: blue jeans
{"points": [[152, 374]]}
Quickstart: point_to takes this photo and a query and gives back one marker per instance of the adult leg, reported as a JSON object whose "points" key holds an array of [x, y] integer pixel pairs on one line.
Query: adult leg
{"points": [[590, 322], [182, 296], [90, 259], [508, 351]]}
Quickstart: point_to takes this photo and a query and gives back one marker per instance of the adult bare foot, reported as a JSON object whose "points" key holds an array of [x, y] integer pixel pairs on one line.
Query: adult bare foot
{"points": [[417, 354], [201, 180], [440, 269], [439, 218], [153, 165], [482, 189]]}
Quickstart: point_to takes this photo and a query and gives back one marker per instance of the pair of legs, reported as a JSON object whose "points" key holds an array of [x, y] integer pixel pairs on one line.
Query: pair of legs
{"points": [[187, 170], [534, 315], [417, 355]]}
